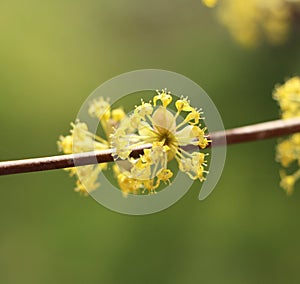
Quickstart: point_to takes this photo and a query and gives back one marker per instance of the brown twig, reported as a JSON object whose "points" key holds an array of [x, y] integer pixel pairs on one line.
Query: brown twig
{"points": [[249, 133], [260, 131]]}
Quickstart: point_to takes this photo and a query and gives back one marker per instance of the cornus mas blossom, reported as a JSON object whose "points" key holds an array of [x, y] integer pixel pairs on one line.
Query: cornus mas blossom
{"points": [[82, 140], [288, 150], [166, 133], [157, 125], [251, 21]]}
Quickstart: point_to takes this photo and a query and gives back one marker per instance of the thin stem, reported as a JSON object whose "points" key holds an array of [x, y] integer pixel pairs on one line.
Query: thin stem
{"points": [[249, 133]]}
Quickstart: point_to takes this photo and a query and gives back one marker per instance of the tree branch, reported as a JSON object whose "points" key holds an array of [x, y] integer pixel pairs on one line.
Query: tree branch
{"points": [[249, 133]]}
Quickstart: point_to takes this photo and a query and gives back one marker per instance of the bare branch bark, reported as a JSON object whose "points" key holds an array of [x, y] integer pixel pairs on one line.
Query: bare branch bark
{"points": [[243, 134]]}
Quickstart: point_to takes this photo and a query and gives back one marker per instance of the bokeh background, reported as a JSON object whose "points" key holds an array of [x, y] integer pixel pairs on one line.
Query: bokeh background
{"points": [[53, 54]]}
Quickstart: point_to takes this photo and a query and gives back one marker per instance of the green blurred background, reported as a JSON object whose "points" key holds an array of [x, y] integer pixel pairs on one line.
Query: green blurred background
{"points": [[53, 54]]}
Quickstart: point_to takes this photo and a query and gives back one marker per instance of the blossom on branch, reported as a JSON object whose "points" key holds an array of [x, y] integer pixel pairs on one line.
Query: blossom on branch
{"points": [[288, 149], [174, 132], [82, 140], [168, 133]]}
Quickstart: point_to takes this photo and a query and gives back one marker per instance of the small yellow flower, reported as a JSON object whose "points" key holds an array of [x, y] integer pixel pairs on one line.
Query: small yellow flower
{"points": [[89, 176], [158, 126], [100, 108], [288, 97], [288, 181], [118, 114], [164, 175], [164, 96], [143, 110], [183, 105], [288, 149], [193, 115], [128, 184], [82, 140], [65, 144]]}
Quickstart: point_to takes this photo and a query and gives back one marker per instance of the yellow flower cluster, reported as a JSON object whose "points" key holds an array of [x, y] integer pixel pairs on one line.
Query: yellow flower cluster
{"points": [[168, 133], [82, 140], [288, 150], [150, 123], [288, 97], [252, 20]]}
